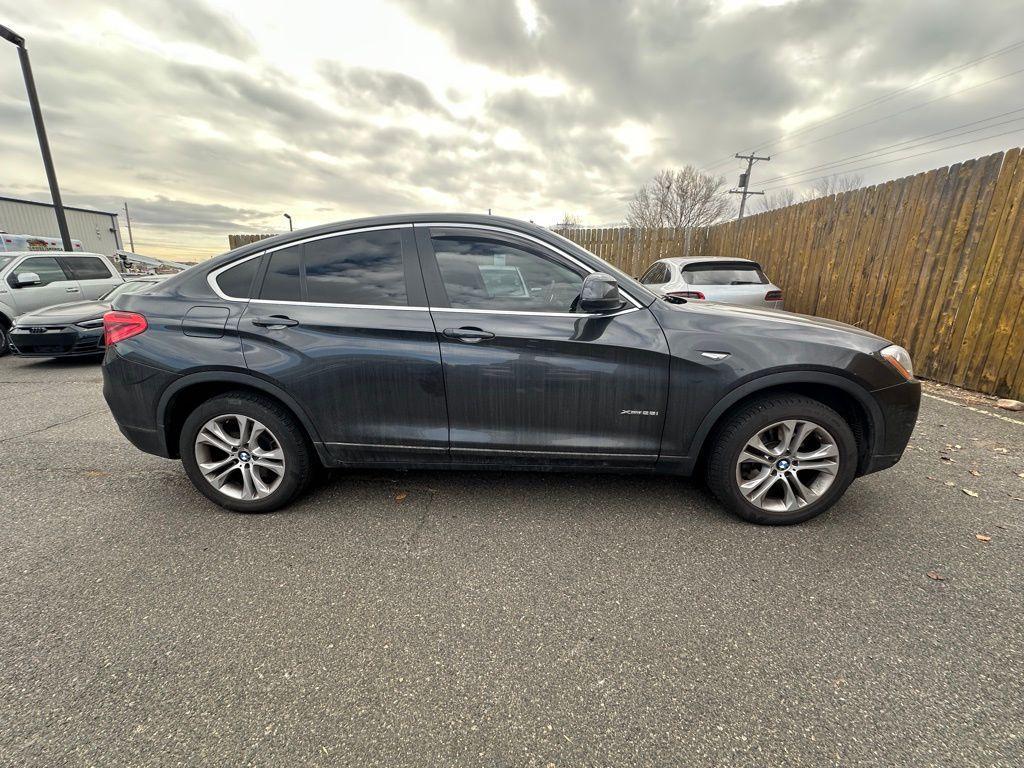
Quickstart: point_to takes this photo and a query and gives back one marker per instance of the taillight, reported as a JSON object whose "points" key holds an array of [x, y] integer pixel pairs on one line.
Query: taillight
{"points": [[773, 296], [685, 294], [118, 326]]}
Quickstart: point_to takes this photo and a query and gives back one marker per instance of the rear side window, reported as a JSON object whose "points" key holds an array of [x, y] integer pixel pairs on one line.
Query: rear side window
{"points": [[47, 267], [724, 274], [361, 268], [283, 274], [656, 275], [237, 281], [87, 268]]}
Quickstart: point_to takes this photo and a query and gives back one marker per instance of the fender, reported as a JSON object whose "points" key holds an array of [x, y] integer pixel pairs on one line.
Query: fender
{"points": [[235, 377], [768, 381]]}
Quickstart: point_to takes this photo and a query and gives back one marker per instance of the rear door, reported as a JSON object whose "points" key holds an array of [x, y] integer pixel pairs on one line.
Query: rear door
{"points": [[93, 274], [528, 379], [56, 285], [341, 323]]}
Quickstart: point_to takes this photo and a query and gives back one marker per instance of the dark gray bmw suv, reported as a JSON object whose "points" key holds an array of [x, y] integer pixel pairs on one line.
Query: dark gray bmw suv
{"points": [[457, 341]]}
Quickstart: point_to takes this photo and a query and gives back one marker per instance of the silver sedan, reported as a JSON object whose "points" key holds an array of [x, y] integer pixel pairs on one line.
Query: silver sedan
{"points": [[732, 281]]}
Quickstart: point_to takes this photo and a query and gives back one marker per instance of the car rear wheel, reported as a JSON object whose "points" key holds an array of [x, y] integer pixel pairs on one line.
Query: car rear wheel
{"points": [[781, 460], [246, 453], [5, 341]]}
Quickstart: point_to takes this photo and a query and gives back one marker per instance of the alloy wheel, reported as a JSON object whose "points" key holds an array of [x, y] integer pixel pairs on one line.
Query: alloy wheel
{"points": [[787, 465], [240, 457]]}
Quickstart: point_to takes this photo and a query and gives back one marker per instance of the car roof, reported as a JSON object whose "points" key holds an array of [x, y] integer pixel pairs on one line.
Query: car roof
{"points": [[51, 253]]}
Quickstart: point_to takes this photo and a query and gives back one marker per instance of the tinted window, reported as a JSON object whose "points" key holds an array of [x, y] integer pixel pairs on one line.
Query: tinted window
{"points": [[488, 274], [727, 274], [282, 280], [87, 268], [364, 268], [237, 281], [46, 267], [656, 275]]}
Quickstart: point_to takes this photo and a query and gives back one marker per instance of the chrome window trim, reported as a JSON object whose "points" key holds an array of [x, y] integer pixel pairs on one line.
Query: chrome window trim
{"points": [[211, 278]]}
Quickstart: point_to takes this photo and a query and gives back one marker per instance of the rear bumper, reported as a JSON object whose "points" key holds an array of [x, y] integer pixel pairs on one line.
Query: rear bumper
{"points": [[132, 391], [899, 406]]}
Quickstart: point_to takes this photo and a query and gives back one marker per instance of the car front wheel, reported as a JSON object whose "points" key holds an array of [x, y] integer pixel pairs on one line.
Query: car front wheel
{"points": [[246, 453], [781, 459]]}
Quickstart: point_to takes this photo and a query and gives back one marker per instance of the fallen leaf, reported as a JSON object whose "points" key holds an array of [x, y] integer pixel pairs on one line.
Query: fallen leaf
{"points": [[936, 576], [947, 459], [951, 485], [974, 472], [969, 492], [982, 537], [96, 473], [1020, 475], [400, 496], [957, 447], [1001, 450]]}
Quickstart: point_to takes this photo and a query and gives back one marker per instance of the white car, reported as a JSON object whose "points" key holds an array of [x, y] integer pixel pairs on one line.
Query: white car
{"points": [[731, 281], [33, 280]]}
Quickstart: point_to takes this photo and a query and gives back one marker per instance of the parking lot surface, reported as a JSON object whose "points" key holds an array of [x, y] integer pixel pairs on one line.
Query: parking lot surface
{"points": [[500, 619]]}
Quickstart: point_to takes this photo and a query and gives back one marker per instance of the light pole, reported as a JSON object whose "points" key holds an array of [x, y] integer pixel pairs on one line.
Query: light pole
{"points": [[289, 217], [44, 146]]}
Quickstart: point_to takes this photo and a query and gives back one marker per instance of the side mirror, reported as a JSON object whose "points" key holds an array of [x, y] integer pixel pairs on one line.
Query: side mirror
{"points": [[600, 293], [23, 279]]}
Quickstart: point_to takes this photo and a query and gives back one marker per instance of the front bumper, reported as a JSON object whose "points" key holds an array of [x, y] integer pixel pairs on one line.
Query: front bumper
{"points": [[56, 341], [899, 405]]}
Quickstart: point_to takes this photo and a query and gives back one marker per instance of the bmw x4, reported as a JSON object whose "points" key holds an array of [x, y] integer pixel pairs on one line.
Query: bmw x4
{"points": [[477, 342]]}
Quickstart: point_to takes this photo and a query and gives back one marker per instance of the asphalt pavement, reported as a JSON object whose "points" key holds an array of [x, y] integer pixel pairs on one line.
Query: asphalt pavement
{"points": [[500, 619]]}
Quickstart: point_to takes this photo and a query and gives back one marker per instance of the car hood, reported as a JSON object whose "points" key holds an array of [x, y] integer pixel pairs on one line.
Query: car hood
{"points": [[72, 312], [754, 321]]}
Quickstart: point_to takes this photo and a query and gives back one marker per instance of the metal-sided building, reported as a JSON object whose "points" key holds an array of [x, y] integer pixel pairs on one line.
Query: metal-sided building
{"points": [[99, 231]]}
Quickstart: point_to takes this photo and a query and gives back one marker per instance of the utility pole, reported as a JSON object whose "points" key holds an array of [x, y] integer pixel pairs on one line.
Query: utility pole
{"points": [[128, 219], [44, 146], [744, 185]]}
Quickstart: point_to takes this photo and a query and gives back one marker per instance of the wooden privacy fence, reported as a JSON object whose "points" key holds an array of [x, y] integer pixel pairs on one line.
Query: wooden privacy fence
{"points": [[236, 241], [933, 262]]}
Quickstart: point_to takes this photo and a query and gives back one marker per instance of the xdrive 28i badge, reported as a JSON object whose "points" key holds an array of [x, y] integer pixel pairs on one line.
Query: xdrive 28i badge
{"points": [[639, 413]]}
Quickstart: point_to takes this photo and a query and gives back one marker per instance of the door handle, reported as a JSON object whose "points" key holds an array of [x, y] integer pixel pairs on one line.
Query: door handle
{"points": [[274, 322], [471, 335], [71, 290]]}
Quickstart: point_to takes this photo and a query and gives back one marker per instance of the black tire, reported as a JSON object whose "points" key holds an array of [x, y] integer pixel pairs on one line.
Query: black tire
{"points": [[299, 457], [5, 342], [731, 437]]}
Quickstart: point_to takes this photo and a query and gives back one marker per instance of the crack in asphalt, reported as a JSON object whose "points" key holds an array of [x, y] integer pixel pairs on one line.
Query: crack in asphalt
{"points": [[51, 426]]}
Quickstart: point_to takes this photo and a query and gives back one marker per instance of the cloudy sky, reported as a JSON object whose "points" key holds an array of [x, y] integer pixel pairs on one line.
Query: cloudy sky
{"points": [[217, 116]]}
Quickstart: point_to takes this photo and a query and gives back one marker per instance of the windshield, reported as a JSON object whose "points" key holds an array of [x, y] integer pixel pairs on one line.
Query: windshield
{"points": [[725, 274], [132, 286], [5, 260]]}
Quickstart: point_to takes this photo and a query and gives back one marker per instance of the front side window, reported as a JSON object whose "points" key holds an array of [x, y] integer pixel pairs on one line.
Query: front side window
{"points": [[361, 268], [46, 267], [87, 268], [479, 273]]}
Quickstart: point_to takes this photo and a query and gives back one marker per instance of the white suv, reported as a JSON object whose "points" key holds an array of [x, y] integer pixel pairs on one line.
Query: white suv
{"points": [[33, 280]]}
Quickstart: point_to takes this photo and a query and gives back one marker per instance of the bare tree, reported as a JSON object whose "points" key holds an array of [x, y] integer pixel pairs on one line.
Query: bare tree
{"points": [[684, 197], [775, 200], [569, 221], [834, 185]]}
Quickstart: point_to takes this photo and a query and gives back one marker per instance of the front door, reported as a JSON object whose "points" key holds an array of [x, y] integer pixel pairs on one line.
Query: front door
{"points": [[54, 286], [529, 379], [341, 323]]}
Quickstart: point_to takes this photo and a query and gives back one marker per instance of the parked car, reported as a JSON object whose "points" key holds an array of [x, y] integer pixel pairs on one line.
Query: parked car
{"points": [[31, 281], [733, 281], [74, 329], [459, 341]]}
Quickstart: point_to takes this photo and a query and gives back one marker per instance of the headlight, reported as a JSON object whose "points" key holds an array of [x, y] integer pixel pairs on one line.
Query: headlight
{"points": [[97, 323], [899, 359]]}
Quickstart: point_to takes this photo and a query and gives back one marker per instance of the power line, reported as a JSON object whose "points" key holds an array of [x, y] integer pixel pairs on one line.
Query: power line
{"points": [[744, 190], [907, 157], [877, 100], [914, 143]]}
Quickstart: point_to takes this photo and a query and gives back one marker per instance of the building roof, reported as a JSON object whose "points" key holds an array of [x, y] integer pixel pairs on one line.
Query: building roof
{"points": [[50, 205]]}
